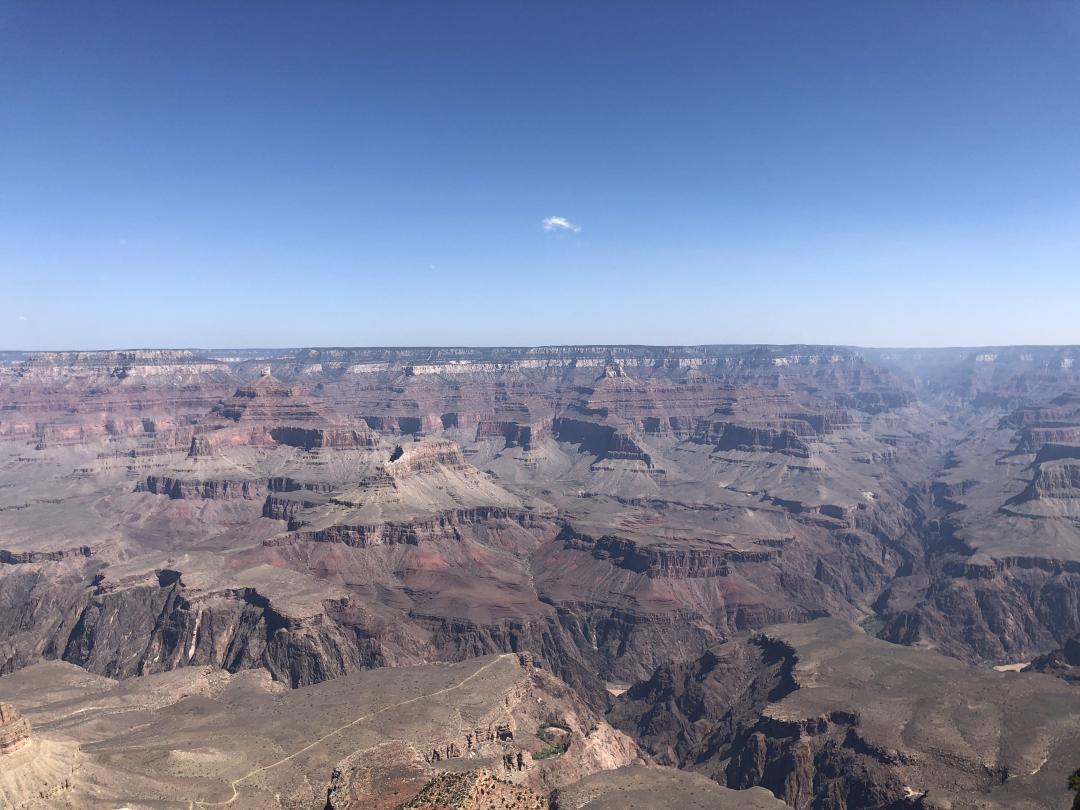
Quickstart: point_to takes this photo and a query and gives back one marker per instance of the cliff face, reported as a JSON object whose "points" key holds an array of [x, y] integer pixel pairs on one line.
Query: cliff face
{"points": [[691, 711], [674, 561], [214, 490], [1059, 481], [155, 628], [604, 441], [728, 436]]}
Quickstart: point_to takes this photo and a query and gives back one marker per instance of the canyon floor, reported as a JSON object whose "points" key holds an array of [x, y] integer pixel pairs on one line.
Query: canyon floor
{"points": [[566, 577]]}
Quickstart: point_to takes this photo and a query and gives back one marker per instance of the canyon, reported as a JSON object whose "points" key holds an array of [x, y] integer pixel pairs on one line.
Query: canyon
{"points": [[560, 576]]}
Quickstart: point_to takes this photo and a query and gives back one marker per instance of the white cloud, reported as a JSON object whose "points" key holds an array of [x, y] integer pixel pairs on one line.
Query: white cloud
{"points": [[23, 318], [559, 224]]}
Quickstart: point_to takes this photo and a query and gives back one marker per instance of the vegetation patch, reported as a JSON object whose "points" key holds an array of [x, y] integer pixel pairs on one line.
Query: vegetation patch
{"points": [[872, 625], [555, 735]]}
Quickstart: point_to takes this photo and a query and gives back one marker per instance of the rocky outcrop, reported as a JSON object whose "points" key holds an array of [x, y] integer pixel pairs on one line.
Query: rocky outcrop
{"points": [[999, 610], [287, 508], [444, 526], [514, 433], [14, 730], [122, 632], [40, 775], [605, 441], [474, 790], [200, 447], [284, 483], [31, 557], [288, 497], [1056, 481], [759, 421], [194, 489], [1033, 439], [315, 438], [1063, 662], [400, 425], [377, 778], [730, 436], [1059, 413], [823, 762], [663, 560], [417, 458], [700, 709]]}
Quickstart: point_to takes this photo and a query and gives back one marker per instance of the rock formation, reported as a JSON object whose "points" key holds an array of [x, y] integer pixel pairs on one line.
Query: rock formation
{"points": [[1063, 662], [474, 790], [14, 730]]}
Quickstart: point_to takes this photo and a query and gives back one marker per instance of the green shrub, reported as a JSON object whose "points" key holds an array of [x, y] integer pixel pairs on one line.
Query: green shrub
{"points": [[556, 744]]}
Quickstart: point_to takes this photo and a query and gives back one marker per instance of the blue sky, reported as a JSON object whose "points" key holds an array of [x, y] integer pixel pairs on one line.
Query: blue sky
{"points": [[345, 173]]}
